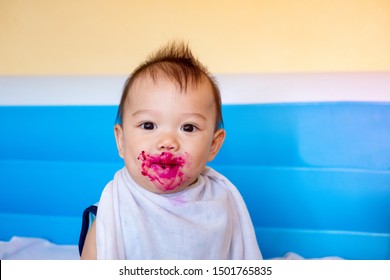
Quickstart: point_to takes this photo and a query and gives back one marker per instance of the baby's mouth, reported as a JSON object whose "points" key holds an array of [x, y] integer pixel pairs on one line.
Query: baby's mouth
{"points": [[164, 165], [164, 160], [164, 169], [167, 161]]}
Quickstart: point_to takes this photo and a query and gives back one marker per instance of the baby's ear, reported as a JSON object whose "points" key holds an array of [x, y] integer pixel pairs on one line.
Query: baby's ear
{"points": [[219, 137], [118, 130]]}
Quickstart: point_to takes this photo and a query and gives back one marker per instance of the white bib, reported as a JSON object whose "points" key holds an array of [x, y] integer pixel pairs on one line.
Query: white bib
{"points": [[209, 220]]}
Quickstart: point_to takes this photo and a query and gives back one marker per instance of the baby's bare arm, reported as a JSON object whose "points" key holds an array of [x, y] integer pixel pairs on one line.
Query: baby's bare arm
{"points": [[89, 250]]}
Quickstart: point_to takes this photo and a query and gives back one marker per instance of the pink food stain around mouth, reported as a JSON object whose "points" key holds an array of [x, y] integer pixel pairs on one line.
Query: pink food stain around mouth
{"points": [[164, 170]]}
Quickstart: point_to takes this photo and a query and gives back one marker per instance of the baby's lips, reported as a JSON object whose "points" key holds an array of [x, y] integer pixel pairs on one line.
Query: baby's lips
{"points": [[163, 158], [169, 163], [166, 165], [168, 157], [163, 169]]}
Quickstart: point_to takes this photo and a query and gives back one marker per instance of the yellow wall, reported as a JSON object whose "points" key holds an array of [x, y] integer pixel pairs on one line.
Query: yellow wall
{"points": [[93, 37]]}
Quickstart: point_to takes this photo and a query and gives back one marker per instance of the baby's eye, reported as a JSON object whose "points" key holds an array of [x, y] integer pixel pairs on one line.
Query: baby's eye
{"points": [[148, 126], [189, 128]]}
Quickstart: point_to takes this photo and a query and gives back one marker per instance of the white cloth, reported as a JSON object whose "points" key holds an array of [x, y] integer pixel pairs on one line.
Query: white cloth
{"points": [[28, 248], [209, 220]]}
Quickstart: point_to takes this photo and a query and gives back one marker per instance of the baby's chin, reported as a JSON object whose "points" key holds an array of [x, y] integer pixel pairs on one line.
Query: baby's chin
{"points": [[173, 185], [166, 186]]}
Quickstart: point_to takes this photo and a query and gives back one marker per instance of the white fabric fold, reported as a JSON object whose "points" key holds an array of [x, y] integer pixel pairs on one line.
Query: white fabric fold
{"points": [[33, 248], [209, 220]]}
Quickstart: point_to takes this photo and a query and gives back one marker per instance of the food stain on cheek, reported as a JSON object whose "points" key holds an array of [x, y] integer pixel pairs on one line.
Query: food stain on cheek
{"points": [[163, 170]]}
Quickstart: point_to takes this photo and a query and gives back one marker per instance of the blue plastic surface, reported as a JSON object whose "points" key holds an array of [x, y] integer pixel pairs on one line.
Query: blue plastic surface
{"points": [[315, 176]]}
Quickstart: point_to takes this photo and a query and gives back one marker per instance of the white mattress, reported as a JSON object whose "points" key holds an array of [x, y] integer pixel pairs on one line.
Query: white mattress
{"points": [[28, 248], [23, 248]]}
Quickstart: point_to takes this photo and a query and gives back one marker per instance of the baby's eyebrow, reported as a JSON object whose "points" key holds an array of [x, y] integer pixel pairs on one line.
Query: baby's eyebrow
{"points": [[198, 115], [152, 112], [143, 112]]}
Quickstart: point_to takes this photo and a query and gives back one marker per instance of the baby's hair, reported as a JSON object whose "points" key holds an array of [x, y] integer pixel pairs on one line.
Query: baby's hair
{"points": [[176, 62]]}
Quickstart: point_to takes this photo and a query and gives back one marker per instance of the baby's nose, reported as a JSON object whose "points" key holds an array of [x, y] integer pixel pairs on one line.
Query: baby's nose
{"points": [[168, 143], [167, 147]]}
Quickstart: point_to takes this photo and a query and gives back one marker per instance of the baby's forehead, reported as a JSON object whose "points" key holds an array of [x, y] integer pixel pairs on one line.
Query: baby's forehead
{"points": [[203, 89]]}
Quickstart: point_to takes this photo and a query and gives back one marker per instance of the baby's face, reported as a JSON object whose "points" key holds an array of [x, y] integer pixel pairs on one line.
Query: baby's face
{"points": [[168, 136]]}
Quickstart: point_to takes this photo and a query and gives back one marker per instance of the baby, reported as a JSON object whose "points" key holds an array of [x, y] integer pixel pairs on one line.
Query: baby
{"points": [[165, 203]]}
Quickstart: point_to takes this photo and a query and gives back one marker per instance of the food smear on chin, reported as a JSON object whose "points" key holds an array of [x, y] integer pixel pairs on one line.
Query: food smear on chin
{"points": [[164, 170]]}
